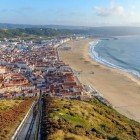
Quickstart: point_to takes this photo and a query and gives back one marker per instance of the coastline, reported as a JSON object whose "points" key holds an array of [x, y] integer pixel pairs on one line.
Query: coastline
{"points": [[121, 89], [129, 74]]}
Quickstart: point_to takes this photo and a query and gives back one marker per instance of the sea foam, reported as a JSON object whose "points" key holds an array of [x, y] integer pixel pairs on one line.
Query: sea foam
{"points": [[95, 56]]}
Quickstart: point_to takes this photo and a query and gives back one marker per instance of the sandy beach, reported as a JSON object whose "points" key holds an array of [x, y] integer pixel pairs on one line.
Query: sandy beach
{"points": [[121, 89]]}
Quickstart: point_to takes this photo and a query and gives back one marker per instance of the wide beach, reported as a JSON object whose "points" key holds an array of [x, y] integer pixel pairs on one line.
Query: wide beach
{"points": [[121, 89]]}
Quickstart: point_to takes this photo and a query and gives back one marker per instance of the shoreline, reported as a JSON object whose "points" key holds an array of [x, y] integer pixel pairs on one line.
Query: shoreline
{"points": [[129, 74], [122, 90]]}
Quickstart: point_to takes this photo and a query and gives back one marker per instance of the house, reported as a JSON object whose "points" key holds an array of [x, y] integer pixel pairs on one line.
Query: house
{"points": [[14, 79]]}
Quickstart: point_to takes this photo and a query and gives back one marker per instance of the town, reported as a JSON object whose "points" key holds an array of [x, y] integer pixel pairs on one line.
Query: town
{"points": [[31, 69], [69, 70], [27, 68], [41, 88]]}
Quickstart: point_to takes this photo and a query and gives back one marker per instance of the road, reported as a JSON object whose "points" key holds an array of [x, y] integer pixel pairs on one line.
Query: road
{"points": [[29, 128]]}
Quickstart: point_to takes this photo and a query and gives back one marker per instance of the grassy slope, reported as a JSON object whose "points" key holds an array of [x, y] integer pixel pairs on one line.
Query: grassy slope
{"points": [[11, 114], [79, 120], [7, 104]]}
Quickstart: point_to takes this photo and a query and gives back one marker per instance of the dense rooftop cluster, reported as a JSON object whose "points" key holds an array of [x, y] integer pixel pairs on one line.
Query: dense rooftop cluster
{"points": [[27, 68]]}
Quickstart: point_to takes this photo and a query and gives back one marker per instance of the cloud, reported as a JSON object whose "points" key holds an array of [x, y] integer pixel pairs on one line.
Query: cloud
{"points": [[117, 14], [109, 11]]}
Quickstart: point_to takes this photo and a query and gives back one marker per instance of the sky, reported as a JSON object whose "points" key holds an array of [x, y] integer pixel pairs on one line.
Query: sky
{"points": [[71, 12]]}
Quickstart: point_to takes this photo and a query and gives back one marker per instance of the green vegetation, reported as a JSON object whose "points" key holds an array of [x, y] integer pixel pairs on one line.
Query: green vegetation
{"points": [[35, 32], [79, 120], [8, 104], [12, 113]]}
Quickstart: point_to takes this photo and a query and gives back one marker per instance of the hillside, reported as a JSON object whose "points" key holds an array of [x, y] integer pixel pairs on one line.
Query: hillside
{"points": [[80, 120], [12, 30], [34, 32], [27, 32], [22, 26], [11, 114]]}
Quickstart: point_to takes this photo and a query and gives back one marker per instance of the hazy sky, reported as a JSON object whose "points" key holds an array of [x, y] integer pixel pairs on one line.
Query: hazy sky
{"points": [[71, 12]]}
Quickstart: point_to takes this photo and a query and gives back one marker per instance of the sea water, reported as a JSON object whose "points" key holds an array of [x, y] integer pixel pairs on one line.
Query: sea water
{"points": [[121, 53]]}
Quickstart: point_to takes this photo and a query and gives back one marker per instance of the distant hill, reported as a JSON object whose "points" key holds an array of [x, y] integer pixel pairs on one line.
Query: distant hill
{"points": [[22, 26], [46, 32], [61, 29], [114, 31]]}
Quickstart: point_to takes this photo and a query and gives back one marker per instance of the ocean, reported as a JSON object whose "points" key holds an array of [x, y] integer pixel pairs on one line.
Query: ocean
{"points": [[122, 53]]}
